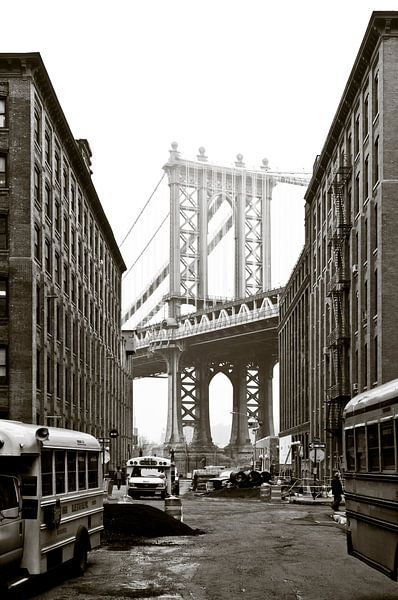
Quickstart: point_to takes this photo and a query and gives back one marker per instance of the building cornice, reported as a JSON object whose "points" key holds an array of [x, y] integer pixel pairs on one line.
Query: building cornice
{"points": [[31, 65], [381, 23]]}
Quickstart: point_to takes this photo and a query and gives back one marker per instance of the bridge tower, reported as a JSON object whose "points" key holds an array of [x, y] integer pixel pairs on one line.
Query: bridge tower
{"points": [[198, 190]]}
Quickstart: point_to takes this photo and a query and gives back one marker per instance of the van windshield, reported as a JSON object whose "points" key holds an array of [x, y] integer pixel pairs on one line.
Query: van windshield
{"points": [[8, 493]]}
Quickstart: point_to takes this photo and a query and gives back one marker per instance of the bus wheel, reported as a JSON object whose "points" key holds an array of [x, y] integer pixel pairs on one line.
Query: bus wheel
{"points": [[80, 557]]}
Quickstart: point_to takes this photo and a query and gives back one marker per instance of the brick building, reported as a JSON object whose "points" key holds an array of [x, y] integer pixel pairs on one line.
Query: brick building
{"points": [[61, 350], [351, 226]]}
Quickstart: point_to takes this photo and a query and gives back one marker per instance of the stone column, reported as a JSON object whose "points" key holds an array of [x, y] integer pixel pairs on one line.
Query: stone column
{"points": [[202, 434], [239, 444], [174, 436], [265, 405]]}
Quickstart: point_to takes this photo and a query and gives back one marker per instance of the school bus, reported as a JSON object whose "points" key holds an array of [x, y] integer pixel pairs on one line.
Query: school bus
{"points": [[371, 477], [51, 499]]}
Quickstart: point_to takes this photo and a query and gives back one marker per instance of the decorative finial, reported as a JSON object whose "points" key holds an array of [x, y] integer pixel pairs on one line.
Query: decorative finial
{"points": [[265, 164], [174, 154], [202, 156], [239, 160]]}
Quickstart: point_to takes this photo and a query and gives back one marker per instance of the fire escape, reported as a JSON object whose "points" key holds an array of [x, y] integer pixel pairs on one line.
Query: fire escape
{"points": [[338, 286]]}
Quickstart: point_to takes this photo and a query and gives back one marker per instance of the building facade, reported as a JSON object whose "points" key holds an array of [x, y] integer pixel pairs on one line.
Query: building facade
{"points": [[62, 359], [350, 230]]}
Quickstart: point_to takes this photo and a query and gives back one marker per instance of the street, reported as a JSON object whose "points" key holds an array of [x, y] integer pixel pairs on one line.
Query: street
{"points": [[250, 550]]}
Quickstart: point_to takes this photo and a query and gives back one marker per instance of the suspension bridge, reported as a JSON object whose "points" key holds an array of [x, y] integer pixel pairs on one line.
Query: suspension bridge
{"points": [[199, 294]]}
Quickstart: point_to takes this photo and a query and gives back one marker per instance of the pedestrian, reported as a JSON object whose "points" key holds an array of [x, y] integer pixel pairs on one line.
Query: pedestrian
{"points": [[118, 477], [337, 491]]}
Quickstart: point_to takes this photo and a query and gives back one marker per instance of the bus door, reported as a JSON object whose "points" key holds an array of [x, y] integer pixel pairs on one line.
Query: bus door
{"points": [[11, 522]]}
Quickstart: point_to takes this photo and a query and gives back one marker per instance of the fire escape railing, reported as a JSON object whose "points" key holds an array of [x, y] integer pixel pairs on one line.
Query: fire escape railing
{"points": [[337, 289]]}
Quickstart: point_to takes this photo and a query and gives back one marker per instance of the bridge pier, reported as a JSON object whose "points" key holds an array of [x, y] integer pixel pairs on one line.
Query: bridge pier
{"points": [[239, 446], [201, 441], [174, 437], [265, 404]]}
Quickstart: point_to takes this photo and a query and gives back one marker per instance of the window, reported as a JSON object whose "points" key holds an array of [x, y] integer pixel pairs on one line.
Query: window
{"points": [[376, 161], [47, 147], [47, 256], [356, 135], [37, 250], [47, 472], [49, 311], [38, 304], [49, 378], [373, 447], [366, 116], [366, 178], [387, 446], [360, 449], [376, 95], [2, 112], [92, 470], [71, 465], [81, 463], [66, 280], [350, 450], [57, 216], [66, 182], [58, 381], [57, 163], [37, 127], [36, 185], [356, 194], [3, 298], [3, 171], [38, 369], [58, 322], [66, 231], [3, 365], [73, 289], [73, 196], [47, 201], [59, 471], [57, 265], [3, 232]]}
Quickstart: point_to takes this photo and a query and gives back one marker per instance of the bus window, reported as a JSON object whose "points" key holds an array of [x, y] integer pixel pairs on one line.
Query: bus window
{"points": [[47, 472], [71, 465], [81, 463], [59, 472], [92, 470], [373, 447], [387, 446], [360, 449], [350, 449]]}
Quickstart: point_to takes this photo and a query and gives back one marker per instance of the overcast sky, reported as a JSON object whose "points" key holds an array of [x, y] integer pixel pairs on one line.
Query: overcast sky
{"points": [[257, 77]]}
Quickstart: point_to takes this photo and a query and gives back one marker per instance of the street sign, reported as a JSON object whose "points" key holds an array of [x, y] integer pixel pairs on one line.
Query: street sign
{"points": [[317, 444], [316, 454]]}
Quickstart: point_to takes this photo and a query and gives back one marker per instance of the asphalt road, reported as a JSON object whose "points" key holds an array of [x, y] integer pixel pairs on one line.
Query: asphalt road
{"points": [[251, 550]]}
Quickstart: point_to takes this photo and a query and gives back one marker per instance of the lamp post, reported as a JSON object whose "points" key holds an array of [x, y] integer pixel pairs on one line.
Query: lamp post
{"points": [[254, 425]]}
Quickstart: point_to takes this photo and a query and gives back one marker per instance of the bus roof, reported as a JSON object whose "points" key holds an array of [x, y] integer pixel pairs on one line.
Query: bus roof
{"points": [[148, 461], [18, 438], [370, 398]]}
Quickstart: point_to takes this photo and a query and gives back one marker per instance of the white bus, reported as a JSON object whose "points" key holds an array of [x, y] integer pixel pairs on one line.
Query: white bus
{"points": [[371, 477], [51, 499], [149, 476]]}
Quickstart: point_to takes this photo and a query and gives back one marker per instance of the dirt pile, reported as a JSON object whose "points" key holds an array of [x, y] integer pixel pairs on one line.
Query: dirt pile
{"points": [[129, 521]]}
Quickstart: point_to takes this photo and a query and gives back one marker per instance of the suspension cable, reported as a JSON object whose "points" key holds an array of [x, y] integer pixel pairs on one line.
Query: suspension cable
{"points": [[146, 246], [142, 210]]}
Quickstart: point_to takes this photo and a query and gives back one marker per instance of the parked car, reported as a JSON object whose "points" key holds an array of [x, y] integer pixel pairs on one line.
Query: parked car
{"points": [[222, 481]]}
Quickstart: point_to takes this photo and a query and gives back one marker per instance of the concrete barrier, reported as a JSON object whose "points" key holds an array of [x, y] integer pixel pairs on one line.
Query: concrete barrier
{"points": [[173, 507], [265, 492]]}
